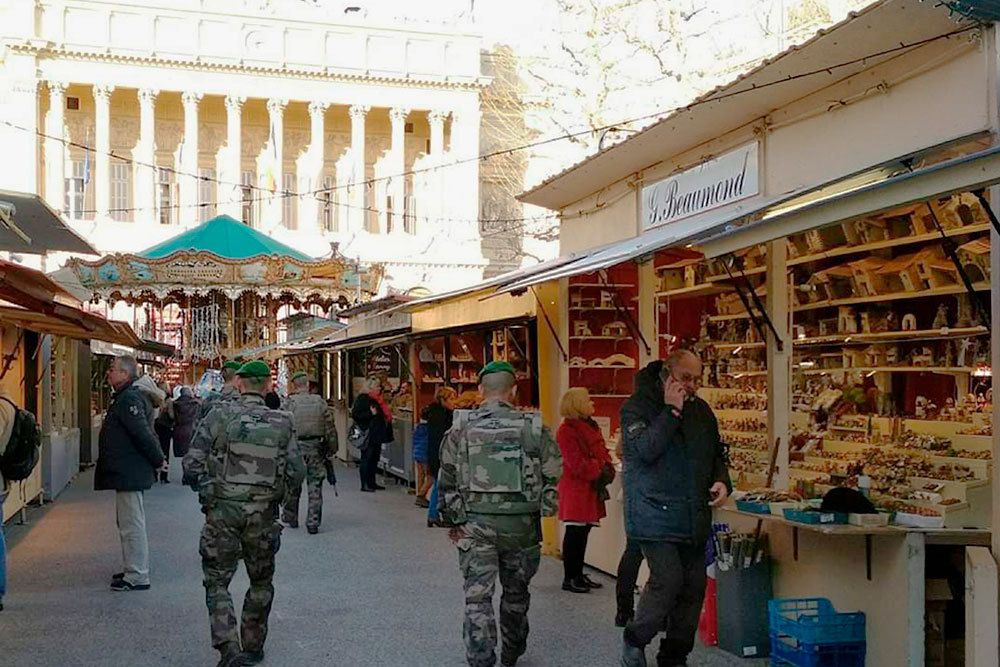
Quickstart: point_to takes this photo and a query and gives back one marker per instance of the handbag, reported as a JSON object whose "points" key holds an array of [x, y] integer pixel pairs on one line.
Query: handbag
{"points": [[358, 440]]}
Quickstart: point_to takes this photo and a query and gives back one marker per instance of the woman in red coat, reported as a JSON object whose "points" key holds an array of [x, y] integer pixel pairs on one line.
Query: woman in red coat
{"points": [[587, 470]]}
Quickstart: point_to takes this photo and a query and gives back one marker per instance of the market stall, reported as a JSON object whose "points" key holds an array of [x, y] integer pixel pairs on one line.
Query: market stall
{"points": [[842, 305]]}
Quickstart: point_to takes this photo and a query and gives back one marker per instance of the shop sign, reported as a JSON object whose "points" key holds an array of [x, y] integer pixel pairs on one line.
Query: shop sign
{"points": [[723, 180], [380, 361]]}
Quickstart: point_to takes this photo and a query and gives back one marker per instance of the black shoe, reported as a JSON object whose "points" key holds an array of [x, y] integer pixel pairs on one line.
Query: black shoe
{"points": [[575, 586], [508, 658], [632, 656], [365, 489], [433, 523], [590, 582], [312, 530], [623, 617], [121, 586], [250, 658], [117, 576]]}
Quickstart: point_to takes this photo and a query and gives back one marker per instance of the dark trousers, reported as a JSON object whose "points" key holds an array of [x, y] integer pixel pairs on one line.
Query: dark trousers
{"points": [[165, 434], [368, 465], [574, 549], [628, 573], [672, 600]]}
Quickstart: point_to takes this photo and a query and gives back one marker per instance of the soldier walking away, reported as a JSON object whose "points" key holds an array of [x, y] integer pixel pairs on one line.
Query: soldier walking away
{"points": [[499, 470], [317, 438], [242, 457], [230, 390]]}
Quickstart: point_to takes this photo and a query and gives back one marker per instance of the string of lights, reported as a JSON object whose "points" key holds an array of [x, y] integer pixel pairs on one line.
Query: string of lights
{"points": [[369, 182]]}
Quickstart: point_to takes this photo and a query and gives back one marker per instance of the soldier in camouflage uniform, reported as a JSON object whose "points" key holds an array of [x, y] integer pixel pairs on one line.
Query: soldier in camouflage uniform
{"points": [[317, 438], [242, 457], [499, 471], [230, 392]]}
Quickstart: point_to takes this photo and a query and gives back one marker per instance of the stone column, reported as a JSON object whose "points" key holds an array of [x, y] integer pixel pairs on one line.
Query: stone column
{"points": [[397, 186], [190, 212], [102, 149], [311, 168], [55, 149], [463, 180], [358, 190], [276, 154], [145, 156], [230, 198], [434, 206]]}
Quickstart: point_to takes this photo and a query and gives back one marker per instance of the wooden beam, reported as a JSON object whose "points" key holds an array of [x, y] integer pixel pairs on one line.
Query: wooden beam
{"points": [[779, 358]]}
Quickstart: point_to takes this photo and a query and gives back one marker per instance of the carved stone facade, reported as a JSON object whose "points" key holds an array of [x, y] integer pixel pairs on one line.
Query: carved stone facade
{"points": [[133, 83]]}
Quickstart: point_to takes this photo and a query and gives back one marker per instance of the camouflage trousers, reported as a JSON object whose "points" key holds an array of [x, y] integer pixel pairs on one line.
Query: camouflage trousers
{"points": [[235, 531], [315, 476], [492, 546]]}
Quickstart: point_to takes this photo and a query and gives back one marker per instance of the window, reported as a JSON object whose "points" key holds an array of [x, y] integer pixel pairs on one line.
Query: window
{"points": [[121, 191], [289, 207], [75, 190], [206, 194], [165, 196], [409, 215], [247, 210], [329, 205]]}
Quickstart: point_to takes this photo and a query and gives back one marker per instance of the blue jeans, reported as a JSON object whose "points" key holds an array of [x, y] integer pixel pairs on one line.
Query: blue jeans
{"points": [[3, 564], [432, 511]]}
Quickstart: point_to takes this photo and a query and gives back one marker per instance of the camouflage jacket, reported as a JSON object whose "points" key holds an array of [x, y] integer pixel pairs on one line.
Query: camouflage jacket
{"points": [[313, 423], [213, 399], [497, 460], [245, 452]]}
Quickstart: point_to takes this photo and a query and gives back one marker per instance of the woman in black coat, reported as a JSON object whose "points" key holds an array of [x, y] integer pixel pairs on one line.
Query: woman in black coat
{"points": [[371, 415], [186, 410]]}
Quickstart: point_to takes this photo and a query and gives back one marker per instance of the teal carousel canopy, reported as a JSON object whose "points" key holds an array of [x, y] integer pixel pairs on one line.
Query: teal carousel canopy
{"points": [[227, 238], [223, 255]]}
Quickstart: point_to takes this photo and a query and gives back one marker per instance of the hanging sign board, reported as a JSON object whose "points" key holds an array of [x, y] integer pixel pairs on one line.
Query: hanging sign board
{"points": [[729, 178]]}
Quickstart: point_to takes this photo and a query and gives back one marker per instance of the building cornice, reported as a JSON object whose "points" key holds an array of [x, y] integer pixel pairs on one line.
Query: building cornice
{"points": [[325, 74]]}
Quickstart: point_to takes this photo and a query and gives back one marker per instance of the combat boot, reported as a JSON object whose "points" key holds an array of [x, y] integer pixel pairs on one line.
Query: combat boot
{"points": [[230, 656], [249, 658], [509, 655], [312, 530]]}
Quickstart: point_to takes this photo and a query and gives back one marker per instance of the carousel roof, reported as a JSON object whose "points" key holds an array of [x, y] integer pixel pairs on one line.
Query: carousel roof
{"points": [[227, 238], [225, 256]]}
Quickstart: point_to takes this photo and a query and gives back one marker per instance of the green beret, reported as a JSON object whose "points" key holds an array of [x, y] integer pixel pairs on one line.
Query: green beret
{"points": [[497, 367], [235, 365], [254, 369], [300, 374]]}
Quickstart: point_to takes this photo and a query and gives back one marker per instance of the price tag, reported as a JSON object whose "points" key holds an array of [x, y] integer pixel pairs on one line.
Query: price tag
{"points": [[827, 518], [749, 651]]}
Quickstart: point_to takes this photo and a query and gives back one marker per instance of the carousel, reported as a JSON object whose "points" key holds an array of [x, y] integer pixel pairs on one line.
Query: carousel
{"points": [[223, 289]]}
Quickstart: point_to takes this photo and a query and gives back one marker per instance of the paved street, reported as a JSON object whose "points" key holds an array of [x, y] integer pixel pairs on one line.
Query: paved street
{"points": [[375, 587]]}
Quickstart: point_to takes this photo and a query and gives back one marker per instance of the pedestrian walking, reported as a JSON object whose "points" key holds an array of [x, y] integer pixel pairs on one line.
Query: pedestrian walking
{"points": [[129, 456], [317, 438], [242, 458], [675, 472], [438, 416], [163, 424], [587, 471], [229, 392], [8, 410], [186, 409], [499, 470], [373, 416]]}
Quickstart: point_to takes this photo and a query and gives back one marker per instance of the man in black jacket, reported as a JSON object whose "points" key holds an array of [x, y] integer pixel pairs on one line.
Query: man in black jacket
{"points": [[128, 460], [675, 472]]}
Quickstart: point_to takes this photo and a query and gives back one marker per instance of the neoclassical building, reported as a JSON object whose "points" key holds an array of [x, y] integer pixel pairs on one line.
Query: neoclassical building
{"points": [[302, 119]]}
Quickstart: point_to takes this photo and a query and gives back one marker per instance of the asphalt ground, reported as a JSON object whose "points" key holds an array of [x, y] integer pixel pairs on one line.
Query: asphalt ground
{"points": [[375, 587]]}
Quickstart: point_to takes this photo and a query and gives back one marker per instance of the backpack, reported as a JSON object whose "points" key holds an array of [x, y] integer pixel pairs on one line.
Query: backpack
{"points": [[24, 447]]}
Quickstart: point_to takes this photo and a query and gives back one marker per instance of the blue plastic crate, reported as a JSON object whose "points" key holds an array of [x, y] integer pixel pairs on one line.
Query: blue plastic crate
{"points": [[814, 621], [755, 508], [786, 651], [809, 516]]}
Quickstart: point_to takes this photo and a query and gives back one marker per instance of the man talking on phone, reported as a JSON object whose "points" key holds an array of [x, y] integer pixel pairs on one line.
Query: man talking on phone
{"points": [[675, 473]]}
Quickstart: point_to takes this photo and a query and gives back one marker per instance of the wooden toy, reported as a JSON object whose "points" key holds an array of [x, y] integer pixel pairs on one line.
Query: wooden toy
{"points": [[909, 322], [581, 328]]}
